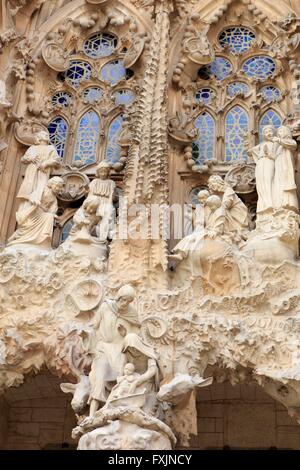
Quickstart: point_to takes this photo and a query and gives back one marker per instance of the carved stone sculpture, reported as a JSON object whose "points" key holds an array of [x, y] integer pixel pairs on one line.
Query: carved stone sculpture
{"points": [[104, 189], [35, 224], [40, 159]]}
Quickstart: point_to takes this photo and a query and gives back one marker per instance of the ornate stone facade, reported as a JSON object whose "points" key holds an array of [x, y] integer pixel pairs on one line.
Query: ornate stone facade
{"points": [[150, 215]]}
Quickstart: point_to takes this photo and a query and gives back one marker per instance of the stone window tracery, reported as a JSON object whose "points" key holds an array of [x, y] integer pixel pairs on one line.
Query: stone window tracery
{"points": [[204, 146], [61, 99], [238, 38], [113, 72], [260, 67], [78, 72], [113, 149], [92, 95], [236, 129], [100, 45], [236, 89], [58, 131], [88, 131]]}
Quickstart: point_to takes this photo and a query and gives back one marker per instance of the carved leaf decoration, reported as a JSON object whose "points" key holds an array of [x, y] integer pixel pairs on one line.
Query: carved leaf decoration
{"points": [[134, 51]]}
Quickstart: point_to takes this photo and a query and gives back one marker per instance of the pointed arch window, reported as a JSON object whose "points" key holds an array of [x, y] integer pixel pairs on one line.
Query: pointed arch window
{"points": [[58, 131], [113, 149], [204, 146], [236, 129], [270, 118], [85, 151]]}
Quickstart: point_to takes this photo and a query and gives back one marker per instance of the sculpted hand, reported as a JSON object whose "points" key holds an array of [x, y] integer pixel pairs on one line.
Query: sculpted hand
{"points": [[122, 330]]}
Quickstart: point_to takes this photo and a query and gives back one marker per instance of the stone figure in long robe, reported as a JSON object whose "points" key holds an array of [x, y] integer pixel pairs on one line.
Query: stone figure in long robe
{"points": [[40, 159], [264, 156], [104, 189], [236, 213], [284, 188], [115, 319], [36, 226]]}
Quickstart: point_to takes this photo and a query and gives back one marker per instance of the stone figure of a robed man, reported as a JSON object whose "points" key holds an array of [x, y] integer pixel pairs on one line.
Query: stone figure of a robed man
{"points": [[40, 159]]}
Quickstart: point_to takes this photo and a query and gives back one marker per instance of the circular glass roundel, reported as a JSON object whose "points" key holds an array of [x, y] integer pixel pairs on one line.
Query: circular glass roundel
{"points": [[114, 71], [260, 67], [220, 68], [125, 97], [236, 88], [77, 72], [92, 94], [61, 98], [238, 38], [100, 45], [270, 93], [205, 95]]}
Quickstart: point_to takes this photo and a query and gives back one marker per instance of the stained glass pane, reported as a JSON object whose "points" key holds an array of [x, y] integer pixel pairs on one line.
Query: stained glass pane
{"points": [[78, 72], [58, 130], [219, 68], [62, 99], [270, 118], [236, 88], [87, 139], [114, 71], [92, 94], [236, 129], [113, 149], [193, 197], [100, 45], [125, 97], [204, 146], [205, 95], [260, 67], [270, 93], [66, 230], [238, 38]]}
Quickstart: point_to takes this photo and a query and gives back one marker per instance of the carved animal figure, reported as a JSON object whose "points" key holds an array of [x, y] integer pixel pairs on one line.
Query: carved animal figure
{"points": [[80, 391]]}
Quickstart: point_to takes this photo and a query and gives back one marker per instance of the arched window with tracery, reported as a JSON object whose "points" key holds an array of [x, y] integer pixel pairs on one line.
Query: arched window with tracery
{"points": [[243, 72], [204, 146], [92, 93], [236, 130]]}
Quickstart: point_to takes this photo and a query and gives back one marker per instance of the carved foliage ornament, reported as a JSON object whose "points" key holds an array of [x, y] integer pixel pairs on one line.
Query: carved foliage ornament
{"points": [[241, 178]]}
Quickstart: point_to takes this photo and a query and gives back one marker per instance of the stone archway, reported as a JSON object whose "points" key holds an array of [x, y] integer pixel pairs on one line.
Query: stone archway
{"points": [[36, 416]]}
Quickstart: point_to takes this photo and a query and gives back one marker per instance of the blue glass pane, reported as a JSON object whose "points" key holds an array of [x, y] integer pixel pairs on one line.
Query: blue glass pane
{"points": [[270, 118], [205, 95], [260, 67], [58, 130], [66, 230], [236, 88], [78, 72], [236, 129], [92, 94], [270, 93], [62, 99], [100, 45], [238, 38], [87, 139], [219, 68], [113, 149], [125, 97], [204, 146], [113, 72]]}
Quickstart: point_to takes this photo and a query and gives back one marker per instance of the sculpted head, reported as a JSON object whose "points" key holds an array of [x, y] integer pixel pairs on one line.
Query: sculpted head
{"points": [[90, 205], [214, 202], [103, 170], [56, 184], [269, 132], [216, 184], [125, 296], [285, 132], [202, 196], [42, 137], [129, 369]]}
